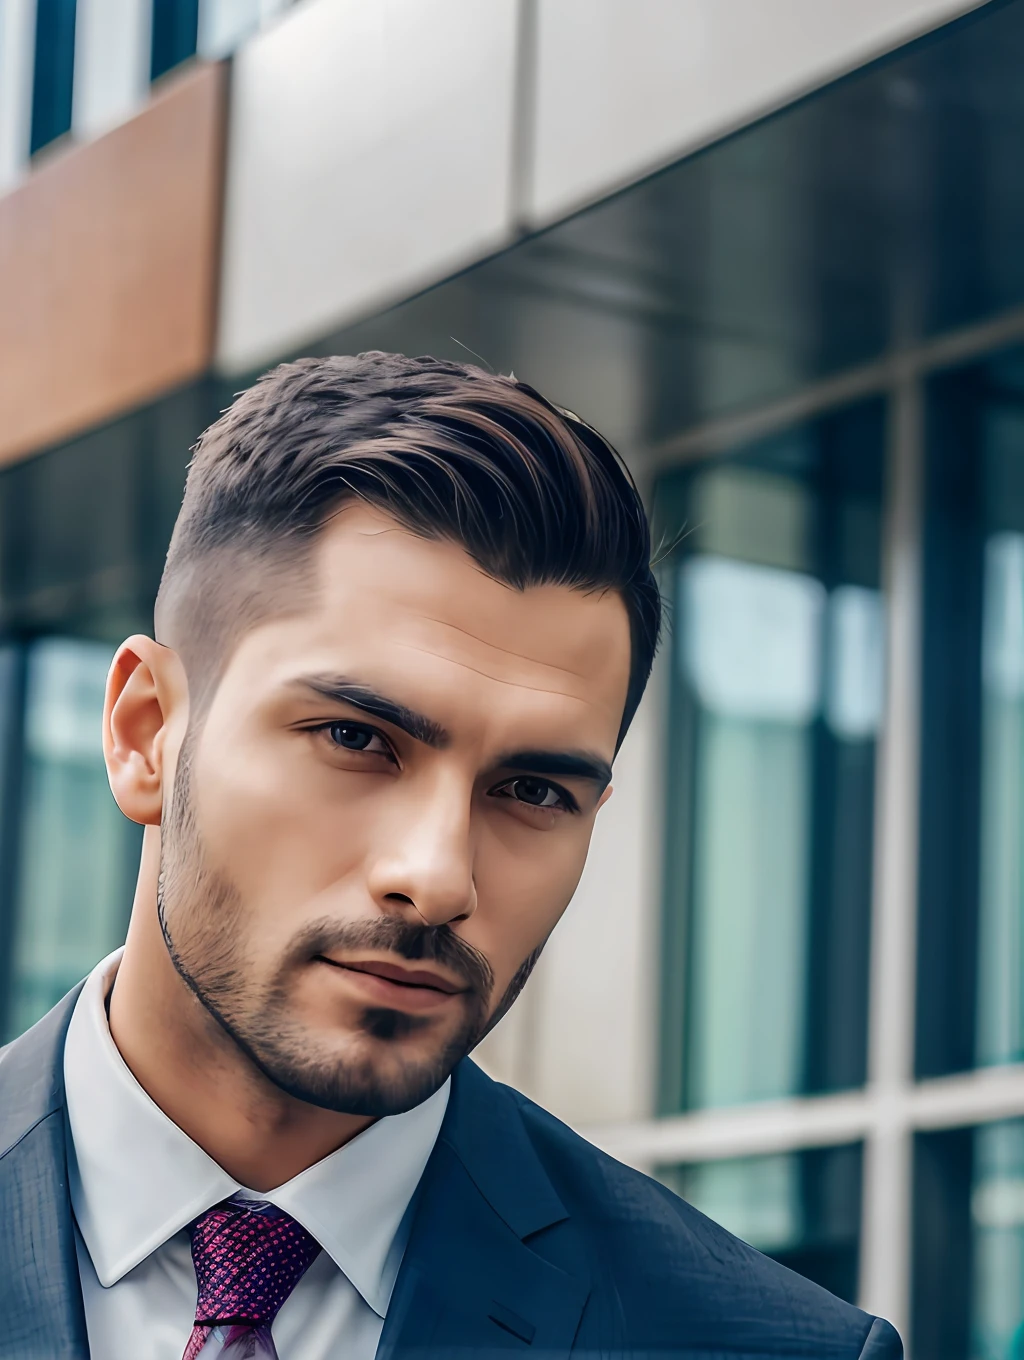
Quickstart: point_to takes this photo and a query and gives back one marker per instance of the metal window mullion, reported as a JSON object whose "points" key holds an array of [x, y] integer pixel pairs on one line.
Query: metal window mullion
{"points": [[738, 1131], [968, 1098], [524, 117], [886, 1210], [948, 350], [960, 1100]]}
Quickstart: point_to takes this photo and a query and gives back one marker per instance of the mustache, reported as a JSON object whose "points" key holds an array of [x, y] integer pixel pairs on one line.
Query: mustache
{"points": [[417, 944]]}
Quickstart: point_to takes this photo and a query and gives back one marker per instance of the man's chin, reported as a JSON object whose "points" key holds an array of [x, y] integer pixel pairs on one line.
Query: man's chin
{"points": [[375, 1098], [368, 1075]]}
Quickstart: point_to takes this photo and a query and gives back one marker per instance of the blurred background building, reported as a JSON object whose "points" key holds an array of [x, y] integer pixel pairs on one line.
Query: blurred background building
{"points": [[775, 249]]}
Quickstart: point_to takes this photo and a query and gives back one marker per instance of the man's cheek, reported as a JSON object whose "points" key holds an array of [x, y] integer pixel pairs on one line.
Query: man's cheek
{"points": [[507, 950]]}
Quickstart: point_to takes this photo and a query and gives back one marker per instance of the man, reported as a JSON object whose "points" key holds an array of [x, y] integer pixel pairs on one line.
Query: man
{"points": [[406, 618]]}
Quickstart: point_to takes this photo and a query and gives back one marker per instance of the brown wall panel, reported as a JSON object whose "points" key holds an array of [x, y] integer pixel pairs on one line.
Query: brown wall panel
{"points": [[108, 268]]}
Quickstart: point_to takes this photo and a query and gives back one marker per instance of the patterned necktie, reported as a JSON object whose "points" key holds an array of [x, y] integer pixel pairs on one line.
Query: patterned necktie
{"points": [[248, 1256]]}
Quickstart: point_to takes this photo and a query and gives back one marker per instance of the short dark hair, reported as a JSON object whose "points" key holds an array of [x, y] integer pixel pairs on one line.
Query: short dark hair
{"points": [[531, 492]]}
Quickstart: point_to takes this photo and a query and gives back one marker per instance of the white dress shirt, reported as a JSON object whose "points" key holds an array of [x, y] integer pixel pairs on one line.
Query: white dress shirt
{"points": [[136, 1180]]}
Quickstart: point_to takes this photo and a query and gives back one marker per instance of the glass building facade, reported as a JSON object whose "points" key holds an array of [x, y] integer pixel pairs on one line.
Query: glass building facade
{"points": [[176, 31], [972, 870], [809, 342], [777, 688], [83, 530]]}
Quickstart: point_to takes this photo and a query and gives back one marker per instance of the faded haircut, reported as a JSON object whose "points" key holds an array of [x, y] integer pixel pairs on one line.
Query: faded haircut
{"points": [[533, 494]]}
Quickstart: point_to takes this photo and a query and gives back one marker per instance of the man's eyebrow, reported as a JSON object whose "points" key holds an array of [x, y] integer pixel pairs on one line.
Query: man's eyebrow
{"points": [[340, 689], [575, 764]]}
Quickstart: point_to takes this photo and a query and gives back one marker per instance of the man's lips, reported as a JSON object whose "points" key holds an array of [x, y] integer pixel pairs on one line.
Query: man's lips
{"points": [[413, 978]]}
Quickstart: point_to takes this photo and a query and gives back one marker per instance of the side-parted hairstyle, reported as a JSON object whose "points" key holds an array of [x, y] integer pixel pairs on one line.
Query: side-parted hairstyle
{"points": [[533, 495]]}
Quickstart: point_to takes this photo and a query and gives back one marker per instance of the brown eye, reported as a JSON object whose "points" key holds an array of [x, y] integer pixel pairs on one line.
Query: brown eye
{"points": [[536, 793]]}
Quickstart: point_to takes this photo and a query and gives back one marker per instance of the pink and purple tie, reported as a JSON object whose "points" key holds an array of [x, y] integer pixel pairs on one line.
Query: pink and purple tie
{"points": [[248, 1256]]}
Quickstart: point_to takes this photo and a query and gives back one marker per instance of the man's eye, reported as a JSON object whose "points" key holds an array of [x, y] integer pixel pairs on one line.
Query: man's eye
{"points": [[355, 737], [536, 793]]}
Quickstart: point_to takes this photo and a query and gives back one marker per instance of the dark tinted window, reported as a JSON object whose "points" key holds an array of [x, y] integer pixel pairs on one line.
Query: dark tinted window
{"points": [[175, 26], [83, 530], [969, 1243], [777, 693], [53, 72], [971, 933]]}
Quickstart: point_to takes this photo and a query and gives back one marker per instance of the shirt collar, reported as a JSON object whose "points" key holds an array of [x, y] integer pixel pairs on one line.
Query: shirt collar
{"points": [[136, 1179]]}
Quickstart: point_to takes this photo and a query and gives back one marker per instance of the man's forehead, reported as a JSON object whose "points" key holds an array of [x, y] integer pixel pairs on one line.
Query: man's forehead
{"points": [[379, 582]]}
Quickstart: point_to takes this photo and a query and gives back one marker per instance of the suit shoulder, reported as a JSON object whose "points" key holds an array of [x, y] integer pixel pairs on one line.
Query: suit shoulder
{"points": [[661, 1255]]}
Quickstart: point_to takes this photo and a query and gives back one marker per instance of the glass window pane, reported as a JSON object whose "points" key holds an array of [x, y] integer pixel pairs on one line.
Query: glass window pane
{"points": [[77, 850], [778, 678], [997, 1220], [53, 71], [969, 1243], [12, 675], [83, 532], [11, 672], [175, 32], [971, 934], [801, 1208]]}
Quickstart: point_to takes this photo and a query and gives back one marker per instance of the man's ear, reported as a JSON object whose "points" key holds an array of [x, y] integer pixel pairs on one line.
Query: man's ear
{"points": [[145, 715], [604, 797]]}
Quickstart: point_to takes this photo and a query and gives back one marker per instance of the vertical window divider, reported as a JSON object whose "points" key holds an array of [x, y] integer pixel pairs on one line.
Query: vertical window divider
{"points": [[886, 1222]]}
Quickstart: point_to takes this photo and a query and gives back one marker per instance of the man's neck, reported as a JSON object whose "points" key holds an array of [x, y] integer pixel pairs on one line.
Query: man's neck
{"points": [[192, 1069]]}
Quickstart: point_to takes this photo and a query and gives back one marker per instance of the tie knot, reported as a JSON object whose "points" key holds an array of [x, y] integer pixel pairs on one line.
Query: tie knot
{"points": [[248, 1256]]}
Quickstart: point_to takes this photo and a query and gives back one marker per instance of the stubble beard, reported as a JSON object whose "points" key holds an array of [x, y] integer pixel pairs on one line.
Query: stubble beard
{"points": [[377, 1075]]}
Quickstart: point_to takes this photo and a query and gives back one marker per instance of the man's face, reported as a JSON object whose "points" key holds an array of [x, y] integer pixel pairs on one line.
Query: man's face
{"points": [[386, 810]]}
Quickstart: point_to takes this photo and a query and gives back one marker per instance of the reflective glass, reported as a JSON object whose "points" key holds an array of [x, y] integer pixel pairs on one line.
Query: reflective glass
{"points": [[969, 1243], [997, 1221], [971, 992], [53, 71], [886, 207], [778, 666], [12, 673], [83, 530], [175, 30], [74, 883], [801, 1208]]}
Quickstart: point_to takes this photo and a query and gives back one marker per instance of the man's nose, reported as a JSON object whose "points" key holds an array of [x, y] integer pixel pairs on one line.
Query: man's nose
{"points": [[426, 859]]}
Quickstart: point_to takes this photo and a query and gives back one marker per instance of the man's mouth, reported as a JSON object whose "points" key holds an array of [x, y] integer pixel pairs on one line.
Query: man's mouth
{"points": [[396, 976]]}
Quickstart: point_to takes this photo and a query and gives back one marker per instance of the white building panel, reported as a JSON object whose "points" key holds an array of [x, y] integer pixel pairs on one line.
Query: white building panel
{"points": [[17, 48], [112, 59], [225, 24], [370, 154], [622, 88]]}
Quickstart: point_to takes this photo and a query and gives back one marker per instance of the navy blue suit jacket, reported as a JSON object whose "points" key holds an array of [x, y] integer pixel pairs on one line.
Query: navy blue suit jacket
{"points": [[525, 1240]]}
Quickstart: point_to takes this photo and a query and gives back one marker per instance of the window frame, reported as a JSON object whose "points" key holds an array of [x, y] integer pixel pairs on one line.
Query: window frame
{"points": [[895, 1105]]}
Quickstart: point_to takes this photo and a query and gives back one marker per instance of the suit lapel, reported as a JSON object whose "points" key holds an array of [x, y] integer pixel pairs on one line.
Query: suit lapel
{"points": [[40, 1292], [469, 1282]]}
